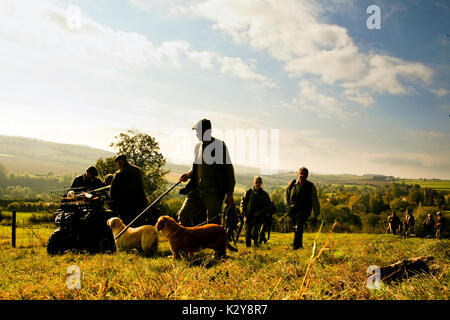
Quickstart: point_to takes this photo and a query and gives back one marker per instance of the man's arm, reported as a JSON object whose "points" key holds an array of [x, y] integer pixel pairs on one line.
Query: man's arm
{"points": [[244, 202], [186, 176], [287, 193], [315, 202], [229, 177], [267, 204]]}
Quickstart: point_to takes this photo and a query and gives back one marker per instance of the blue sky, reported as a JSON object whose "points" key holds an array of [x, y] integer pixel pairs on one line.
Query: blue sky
{"points": [[333, 95]]}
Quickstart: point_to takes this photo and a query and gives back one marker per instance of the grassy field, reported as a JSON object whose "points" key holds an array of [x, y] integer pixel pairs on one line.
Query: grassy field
{"points": [[274, 271], [440, 185]]}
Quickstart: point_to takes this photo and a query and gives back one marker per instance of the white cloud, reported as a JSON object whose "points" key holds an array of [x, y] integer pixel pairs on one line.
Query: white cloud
{"points": [[417, 159], [440, 92], [293, 32], [384, 74], [49, 27], [324, 105], [425, 133]]}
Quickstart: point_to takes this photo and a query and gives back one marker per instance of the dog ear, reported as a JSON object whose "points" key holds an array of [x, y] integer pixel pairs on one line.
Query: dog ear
{"points": [[159, 224]]}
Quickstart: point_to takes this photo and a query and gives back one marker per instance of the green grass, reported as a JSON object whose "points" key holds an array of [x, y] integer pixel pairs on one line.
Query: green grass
{"points": [[274, 271], [26, 218], [440, 185]]}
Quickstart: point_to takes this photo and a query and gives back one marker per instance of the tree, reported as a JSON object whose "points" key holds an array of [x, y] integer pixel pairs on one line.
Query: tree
{"points": [[396, 191], [105, 167], [415, 196], [360, 203], [376, 204], [142, 150], [372, 220], [13, 206], [399, 205], [277, 196], [3, 177]]}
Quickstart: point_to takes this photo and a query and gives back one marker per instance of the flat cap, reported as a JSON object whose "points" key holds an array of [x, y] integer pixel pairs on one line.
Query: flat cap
{"points": [[205, 124], [120, 157]]}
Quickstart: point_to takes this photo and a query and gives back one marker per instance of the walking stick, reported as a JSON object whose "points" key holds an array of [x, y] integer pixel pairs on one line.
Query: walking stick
{"points": [[121, 232]]}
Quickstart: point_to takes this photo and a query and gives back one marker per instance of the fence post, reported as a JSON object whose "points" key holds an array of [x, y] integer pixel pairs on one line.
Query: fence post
{"points": [[13, 229]]}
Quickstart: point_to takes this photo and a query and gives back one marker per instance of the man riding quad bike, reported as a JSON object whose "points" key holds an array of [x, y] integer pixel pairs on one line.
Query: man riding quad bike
{"points": [[82, 224]]}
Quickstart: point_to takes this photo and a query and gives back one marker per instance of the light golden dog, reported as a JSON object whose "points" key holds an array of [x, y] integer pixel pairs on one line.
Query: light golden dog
{"points": [[187, 240], [143, 238]]}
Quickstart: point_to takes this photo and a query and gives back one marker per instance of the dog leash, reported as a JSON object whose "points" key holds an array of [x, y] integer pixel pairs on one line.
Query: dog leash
{"points": [[205, 222], [145, 210]]}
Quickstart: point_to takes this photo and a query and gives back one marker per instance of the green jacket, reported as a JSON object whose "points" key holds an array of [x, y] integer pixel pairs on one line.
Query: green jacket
{"points": [[212, 170], [256, 201], [302, 199]]}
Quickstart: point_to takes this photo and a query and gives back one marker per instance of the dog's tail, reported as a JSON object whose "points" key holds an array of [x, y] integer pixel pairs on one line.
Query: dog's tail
{"points": [[230, 247]]}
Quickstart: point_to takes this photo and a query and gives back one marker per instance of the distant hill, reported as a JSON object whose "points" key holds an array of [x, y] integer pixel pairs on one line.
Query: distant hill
{"points": [[33, 156], [27, 155]]}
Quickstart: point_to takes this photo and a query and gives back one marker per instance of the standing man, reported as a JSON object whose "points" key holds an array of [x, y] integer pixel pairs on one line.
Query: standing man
{"points": [[440, 225], [409, 223], [87, 181], [393, 223], [255, 205], [127, 190], [428, 226], [301, 198], [210, 180]]}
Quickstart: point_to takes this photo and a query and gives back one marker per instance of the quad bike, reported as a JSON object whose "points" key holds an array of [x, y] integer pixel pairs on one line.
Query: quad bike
{"points": [[82, 224]]}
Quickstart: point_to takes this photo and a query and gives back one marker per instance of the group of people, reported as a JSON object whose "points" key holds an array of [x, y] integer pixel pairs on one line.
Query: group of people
{"points": [[127, 194], [212, 180], [406, 227]]}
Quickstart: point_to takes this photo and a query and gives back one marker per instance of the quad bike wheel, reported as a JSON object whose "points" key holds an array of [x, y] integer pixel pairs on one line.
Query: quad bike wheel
{"points": [[57, 243]]}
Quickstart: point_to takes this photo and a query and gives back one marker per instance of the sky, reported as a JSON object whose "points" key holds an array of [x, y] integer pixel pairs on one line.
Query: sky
{"points": [[285, 84]]}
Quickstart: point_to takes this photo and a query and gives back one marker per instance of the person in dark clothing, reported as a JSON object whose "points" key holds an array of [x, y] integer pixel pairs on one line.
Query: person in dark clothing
{"points": [[301, 198], [393, 223], [231, 218], [211, 179], [428, 226], [255, 205], [127, 191], [440, 225], [267, 223], [87, 181], [408, 223]]}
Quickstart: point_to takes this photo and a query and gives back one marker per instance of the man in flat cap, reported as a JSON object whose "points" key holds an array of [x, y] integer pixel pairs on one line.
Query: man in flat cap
{"points": [[127, 191], [87, 181], [301, 198], [210, 180]]}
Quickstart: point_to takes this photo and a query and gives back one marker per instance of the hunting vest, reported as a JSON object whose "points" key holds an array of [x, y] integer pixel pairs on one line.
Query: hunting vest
{"points": [[256, 201], [300, 196]]}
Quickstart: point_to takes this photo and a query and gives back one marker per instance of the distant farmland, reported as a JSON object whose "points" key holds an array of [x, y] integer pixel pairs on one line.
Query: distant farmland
{"points": [[440, 185]]}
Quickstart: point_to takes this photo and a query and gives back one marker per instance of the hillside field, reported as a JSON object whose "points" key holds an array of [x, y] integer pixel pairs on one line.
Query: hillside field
{"points": [[273, 271]]}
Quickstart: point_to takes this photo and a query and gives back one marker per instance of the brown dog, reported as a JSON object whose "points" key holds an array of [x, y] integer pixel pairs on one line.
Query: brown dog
{"points": [[143, 238], [187, 240]]}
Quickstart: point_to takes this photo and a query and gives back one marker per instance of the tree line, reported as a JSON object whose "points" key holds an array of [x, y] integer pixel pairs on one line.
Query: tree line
{"points": [[357, 208]]}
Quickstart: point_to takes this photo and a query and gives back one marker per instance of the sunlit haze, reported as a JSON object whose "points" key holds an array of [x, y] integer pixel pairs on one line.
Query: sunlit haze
{"points": [[307, 80]]}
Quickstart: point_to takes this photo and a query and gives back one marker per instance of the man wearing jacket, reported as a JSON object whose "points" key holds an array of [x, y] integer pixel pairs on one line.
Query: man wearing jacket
{"points": [[127, 191], [301, 198], [255, 206], [87, 181], [210, 180]]}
